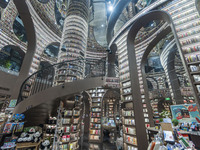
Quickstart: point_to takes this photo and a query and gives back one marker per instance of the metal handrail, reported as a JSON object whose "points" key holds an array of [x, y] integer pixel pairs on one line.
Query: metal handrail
{"points": [[42, 76]]}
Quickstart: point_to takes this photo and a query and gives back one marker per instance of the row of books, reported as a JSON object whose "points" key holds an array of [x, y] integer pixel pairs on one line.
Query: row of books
{"points": [[193, 58], [96, 109], [183, 8], [191, 49], [190, 41], [95, 114], [131, 140], [129, 121], [95, 131], [69, 113], [130, 130], [185, 14], [95, 137], [128, 113], [72, 128], [93, 125], [188, 26]]}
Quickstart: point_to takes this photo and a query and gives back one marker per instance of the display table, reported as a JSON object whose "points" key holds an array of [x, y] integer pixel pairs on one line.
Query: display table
{"points": [[193, 136], [28, 145], [105, 126], [151, 132], [152, 129]]}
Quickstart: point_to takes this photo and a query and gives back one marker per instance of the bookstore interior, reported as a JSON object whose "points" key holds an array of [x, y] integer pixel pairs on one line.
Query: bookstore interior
{"points": [[100, 74]]}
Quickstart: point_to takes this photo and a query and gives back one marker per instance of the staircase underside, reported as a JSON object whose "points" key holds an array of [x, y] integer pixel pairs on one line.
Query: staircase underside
{"points": [[38, 107]]}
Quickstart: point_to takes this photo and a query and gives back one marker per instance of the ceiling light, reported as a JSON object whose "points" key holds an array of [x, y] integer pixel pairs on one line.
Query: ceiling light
{"points": [[110, 8], [102, 25]]}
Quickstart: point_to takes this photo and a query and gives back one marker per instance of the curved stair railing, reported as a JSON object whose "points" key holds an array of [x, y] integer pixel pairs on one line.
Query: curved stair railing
{"points": [[60, 73]]}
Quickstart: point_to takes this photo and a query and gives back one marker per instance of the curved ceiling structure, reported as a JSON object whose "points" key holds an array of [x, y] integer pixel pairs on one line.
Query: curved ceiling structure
{"points": [[114, 17], [31, 39]]}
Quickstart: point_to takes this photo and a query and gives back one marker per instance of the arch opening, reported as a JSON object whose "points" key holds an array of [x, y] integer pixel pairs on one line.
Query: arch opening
{"points": [[11, 59], [52, 50], [19, 30], [135, 56]]}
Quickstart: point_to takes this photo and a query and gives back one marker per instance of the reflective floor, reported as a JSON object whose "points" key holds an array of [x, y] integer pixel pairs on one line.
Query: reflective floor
{"points": [[105, 146]]}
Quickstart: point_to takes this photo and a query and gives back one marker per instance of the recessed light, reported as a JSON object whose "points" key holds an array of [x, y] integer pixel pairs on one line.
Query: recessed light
{"points": [[110, 8]]}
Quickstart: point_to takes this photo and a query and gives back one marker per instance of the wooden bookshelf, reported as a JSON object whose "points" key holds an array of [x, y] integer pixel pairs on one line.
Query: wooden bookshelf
{"points": [[186, 20], [71, 124], [95, 133]]}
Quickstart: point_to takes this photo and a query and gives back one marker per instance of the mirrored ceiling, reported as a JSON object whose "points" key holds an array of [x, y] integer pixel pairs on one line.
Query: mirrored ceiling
{"points": [[99, 20]]}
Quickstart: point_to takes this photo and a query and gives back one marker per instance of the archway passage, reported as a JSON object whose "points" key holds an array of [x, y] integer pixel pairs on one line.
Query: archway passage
{"points": [[135, 61], [111, 123], [161, 60], [11, 58]]}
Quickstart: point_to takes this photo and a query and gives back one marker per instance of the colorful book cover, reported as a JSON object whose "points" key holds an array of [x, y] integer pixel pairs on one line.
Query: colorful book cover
{"points": [[19, 127], [8, 128], [12, 103]]}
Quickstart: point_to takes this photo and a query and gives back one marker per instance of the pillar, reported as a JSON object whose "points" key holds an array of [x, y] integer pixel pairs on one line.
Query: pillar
{"points": [[74, 41]]}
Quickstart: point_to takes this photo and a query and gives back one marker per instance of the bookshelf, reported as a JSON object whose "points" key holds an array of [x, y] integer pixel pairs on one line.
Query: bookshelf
{"points": [[154, 105], [187, 21], [7, 36], [70, 124], [127, 98], [95, 133], [49, 129], [47, 13], [188, 95], [126, 92], [129, 129], [73, 46]]}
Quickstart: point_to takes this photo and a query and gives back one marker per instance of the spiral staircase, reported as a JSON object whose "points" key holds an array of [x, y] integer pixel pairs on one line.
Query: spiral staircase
{"points": [[40, 93]]}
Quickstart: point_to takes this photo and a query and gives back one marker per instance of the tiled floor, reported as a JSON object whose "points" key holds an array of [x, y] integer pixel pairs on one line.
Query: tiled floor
{"points": [[108, 146]]}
